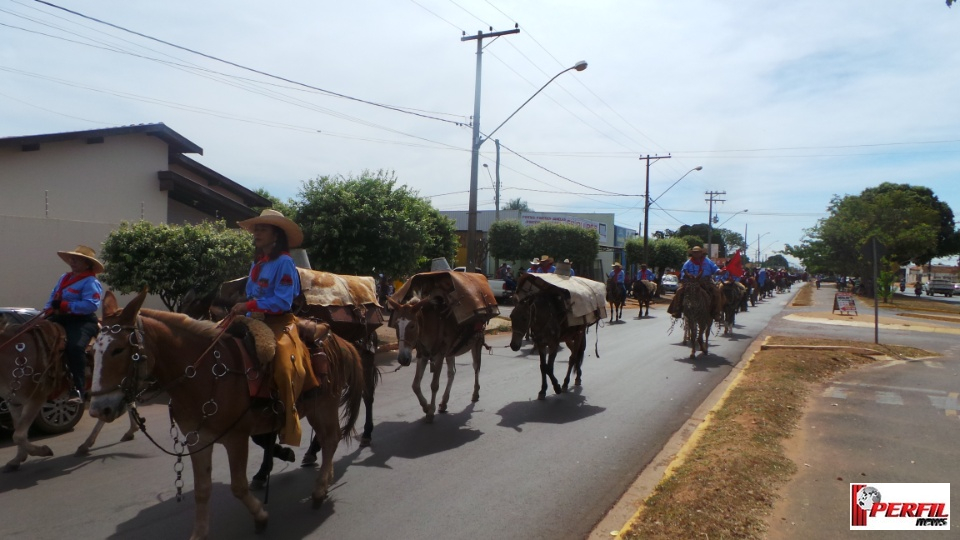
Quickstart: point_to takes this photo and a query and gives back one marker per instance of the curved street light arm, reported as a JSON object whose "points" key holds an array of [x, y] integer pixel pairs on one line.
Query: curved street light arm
{"points": [[698, 168]]}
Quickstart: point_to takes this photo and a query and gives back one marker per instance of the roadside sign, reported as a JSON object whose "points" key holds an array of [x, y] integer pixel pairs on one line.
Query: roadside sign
{"points": [[844, 303]]}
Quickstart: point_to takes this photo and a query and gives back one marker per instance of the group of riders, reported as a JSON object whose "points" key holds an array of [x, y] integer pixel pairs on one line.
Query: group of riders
{"points": [[273, 285]]}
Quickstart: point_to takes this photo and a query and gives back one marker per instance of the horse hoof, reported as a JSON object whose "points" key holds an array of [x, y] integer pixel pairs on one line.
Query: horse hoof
{"points": [[82, 452], [257, 483], [557, 390], [428, 419], [127, 438], [285, 453], [43, 451], [443, 409], [475, 398], [260, 525], [578, 383], [318, 501], [542, 396], [364, 442]]}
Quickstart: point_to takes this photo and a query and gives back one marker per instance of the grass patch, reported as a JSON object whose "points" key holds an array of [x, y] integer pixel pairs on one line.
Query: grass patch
{"points": [[727, 485], [804, 296]]}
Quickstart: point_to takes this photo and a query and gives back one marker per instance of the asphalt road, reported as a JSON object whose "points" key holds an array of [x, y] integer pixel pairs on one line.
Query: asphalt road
{"points": [[508, 466]]}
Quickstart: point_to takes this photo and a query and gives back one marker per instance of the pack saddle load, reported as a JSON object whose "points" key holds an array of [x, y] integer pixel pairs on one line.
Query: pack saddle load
{"points": [[585, 299], [468, 295]]}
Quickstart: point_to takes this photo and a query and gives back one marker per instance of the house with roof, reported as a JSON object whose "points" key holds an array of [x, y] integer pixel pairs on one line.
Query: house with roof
{"points": [[64, 189]]}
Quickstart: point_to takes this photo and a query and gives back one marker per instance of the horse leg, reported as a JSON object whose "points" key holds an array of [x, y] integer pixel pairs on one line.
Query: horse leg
{"points": [[267, 441], [451, 371], [84, 449], [202, 462], [23, 416], [237, 453], [694, 334], [577, 346], [369, 387], [427, 407], [324, 418], [477, 355], [554, 349]]}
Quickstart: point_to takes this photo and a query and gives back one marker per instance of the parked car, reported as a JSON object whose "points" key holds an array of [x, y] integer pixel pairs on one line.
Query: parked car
{"points": [[669, 283], [56, 415], [938, 286]]}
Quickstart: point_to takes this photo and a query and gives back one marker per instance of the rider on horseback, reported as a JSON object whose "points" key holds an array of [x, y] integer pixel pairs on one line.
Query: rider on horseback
{"points": [[274, 283], [73, 305], [617, 274], [698, 266], [644, 274], [544, 266]]}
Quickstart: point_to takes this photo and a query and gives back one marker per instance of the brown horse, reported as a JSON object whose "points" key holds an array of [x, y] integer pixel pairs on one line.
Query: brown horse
{"points": [[209, 387], [545, 317], [428, 327], [697, 320], [732, 294], [644, 292], [616, 297]]}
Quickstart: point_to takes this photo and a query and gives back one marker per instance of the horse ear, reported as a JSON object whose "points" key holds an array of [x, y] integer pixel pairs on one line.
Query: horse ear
{"points": [[133, 308], [109, 304], [393, 303]]}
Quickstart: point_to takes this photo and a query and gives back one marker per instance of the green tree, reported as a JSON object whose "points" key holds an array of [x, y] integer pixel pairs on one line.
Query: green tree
{"points": [[668, 253], [506, 240], [517, 204], [726, 239], [776, 261], [692, 240], [562, 241], [173, 259], [634, 249], [288, 208], [367, 224]]}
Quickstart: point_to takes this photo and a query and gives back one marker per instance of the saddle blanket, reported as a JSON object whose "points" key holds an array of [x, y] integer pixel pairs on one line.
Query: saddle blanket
{"points": [[469, 295], [585, 299]]}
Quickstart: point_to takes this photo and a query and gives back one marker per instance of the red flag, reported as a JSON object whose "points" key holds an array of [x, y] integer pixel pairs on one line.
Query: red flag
{"points": [[734, 266]]}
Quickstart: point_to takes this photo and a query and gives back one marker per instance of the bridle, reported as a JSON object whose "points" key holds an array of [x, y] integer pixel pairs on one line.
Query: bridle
{"points": [[130, 386]]}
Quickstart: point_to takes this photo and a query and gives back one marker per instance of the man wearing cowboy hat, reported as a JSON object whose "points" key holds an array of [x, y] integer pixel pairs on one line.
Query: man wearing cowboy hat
{"points": [[565, 268], [73, 304], [697, 267], [618, 274], [534, 264], [644, 274], [273, 284], [546, 265]]}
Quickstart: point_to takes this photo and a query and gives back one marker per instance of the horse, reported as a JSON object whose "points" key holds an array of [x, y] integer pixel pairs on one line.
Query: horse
{"points": [[32, 372], [732, 293], [427, 326], [544, 315], [210, 390], [616, 297], [697, 318], [644, 291]]}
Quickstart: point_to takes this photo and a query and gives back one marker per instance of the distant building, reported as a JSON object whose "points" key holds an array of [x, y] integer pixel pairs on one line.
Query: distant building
{"points": [[64, 189], [612, 237]]}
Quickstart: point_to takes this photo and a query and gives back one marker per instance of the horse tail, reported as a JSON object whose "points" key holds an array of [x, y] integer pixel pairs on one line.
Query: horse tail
{"points": [[351, 384]]}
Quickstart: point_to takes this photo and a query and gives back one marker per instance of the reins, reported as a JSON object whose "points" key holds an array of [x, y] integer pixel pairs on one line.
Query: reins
{"points": [[26, 327]]}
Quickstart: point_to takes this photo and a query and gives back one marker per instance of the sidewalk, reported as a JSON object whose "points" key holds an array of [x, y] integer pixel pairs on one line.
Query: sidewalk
{"points": [[893, 421]]}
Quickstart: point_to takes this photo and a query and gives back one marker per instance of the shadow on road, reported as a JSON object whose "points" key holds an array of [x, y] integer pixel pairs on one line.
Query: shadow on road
{"points": [[416, 439], [564, 408], [704, 362]]}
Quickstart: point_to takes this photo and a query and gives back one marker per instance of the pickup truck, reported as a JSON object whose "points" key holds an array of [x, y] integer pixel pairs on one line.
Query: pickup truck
{"points": [[504, 295], [939, 286]]}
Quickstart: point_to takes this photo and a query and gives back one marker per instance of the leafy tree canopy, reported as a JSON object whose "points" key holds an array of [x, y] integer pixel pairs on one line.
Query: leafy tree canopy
{"points": [[562, 241], [669, 253], [506, 240], [288, 208], [776, 261], [517, 204], [367, 224], [728, 240], [173, 259]]}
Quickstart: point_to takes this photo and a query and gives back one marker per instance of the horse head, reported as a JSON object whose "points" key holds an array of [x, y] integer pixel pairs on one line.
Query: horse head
{"points": [[519, 323], [408, 330], [119, 362]]}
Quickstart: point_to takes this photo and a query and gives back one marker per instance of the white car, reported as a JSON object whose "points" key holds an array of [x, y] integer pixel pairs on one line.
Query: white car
{"points": [[669, 283]]}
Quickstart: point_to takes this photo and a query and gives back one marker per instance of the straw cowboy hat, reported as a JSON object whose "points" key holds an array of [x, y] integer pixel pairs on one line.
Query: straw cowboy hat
{"points": [[272, 217], [567, 261], [617, 265], [535, 261], [546, 259], [696, 250], [86, 253]]}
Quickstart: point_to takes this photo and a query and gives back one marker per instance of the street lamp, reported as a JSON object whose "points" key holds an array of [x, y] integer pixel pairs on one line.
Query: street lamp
{"points": [[475, 154], [731, 217], [759, 236], [648, 202]]}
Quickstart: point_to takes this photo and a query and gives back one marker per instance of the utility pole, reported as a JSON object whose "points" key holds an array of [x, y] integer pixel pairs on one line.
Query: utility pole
{"points": [[496, 191], [475, 148], [646, 206], [712, 194]]}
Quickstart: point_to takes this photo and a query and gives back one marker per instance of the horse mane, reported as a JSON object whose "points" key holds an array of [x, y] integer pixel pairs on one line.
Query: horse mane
{"points": [[180, 321]]}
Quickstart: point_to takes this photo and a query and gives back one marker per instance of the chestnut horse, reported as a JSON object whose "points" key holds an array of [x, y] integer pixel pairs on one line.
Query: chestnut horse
{"points": [[428, 327], [545, 317], [209, 388]]}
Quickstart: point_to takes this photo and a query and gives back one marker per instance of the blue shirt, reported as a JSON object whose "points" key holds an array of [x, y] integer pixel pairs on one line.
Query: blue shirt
{"points": [[705, 268], [551, 270], [617, 275], [76, 296], [273, 285], [646, 274]]}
